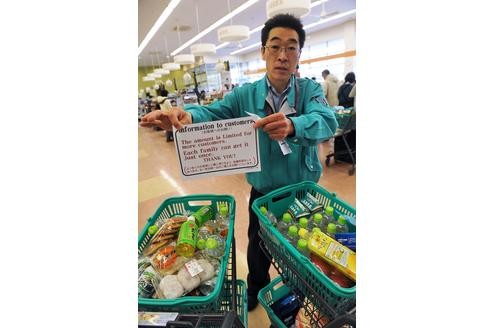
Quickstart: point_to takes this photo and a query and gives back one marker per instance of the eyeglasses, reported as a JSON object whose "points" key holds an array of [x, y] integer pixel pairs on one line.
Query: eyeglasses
{"points": [[276, 49]]}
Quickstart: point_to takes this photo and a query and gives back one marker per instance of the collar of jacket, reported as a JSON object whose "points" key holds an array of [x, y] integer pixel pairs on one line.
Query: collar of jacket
{"points": [[262, 92]]}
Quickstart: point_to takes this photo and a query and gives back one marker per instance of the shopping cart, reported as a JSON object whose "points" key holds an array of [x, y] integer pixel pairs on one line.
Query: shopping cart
{"points": [[347, 128], [323, 300], [228, 299]]}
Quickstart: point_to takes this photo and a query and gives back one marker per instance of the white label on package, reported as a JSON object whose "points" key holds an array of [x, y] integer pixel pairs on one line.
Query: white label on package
{"points": [[193, 268], [218, 148]]}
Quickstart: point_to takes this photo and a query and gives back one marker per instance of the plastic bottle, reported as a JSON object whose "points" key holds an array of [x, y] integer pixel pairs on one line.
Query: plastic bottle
{"points": [[331, 230], [302, 247], [269, 215], [223, 221], [188, 232], [305, 223], [328, 216], [215, 246], [292, 235], [283, 225], [318, 220], [341, 225]]}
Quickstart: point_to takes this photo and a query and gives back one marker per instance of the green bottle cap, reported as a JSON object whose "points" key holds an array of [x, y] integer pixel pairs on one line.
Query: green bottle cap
{"points": [[211, 243], [331, 228], [302, 232], [224, 210], [341, 220], [201, 244], [263, 210], [152, 229], [318, 217], [293, 231], [303, 222], [315, 229], [286, 217], [329, 210], [302, 244]]}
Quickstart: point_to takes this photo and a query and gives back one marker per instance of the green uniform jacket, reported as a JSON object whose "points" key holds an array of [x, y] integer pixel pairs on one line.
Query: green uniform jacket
{"points": [[314, 122]]}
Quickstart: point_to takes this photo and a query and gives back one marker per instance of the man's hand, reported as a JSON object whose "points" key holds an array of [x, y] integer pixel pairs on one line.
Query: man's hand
{"points": [[277, 126], [175, 117]]}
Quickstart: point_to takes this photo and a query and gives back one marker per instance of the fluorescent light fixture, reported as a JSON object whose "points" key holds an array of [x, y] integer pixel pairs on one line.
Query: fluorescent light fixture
{"points": [[220, 46], [322, 21], [329, 19], [159, 22], [219, 22], [257, 44], [316, 3], [256, 29]]}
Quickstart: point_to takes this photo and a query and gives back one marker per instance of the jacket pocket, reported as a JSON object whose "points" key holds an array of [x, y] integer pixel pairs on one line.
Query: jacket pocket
{"points": [[312, 166]]}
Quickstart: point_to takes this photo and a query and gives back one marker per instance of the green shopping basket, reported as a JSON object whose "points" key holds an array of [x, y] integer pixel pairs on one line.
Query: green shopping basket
{"points": [[299, 272], [192, 304], [271, 293]]}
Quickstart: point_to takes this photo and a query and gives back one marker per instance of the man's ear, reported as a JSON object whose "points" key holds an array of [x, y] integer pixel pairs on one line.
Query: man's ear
{"points": [[263, 52]]}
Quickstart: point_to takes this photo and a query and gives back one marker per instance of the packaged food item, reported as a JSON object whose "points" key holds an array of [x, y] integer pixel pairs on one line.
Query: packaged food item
{"points": [[347, 239], [150, 319], [303, 317], [170, 287], [208, 270], [332, 272], [146, 284], [298, 210], [286, 309], [187, 281], [143, 263], [207, 287], [311, 203], [165, 234], [166, 261], [334, 253]]}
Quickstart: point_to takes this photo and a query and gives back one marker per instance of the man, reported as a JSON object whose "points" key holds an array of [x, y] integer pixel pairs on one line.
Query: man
{"points": [[330, 87], [290, 108]]}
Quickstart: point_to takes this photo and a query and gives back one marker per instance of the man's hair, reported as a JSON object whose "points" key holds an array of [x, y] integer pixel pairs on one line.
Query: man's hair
{"points": [[283, 20], [325, 72]]}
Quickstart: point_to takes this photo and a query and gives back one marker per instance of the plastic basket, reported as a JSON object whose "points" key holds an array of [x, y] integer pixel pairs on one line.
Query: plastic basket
{"points": [[269, 295], [298, 272], [347, 121], [238, 319], [191, 304]]}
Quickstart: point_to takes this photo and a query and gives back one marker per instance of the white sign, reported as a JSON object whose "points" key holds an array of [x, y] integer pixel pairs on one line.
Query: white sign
{"points": [[218, 148]]}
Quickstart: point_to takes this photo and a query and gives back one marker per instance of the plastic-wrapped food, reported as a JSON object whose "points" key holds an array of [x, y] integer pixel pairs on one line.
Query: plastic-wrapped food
{"points": [[166, 261], [208, 270], [165, 235], [143, 263], [187, 281], [207, 287], [170, 287], [146, 286]]}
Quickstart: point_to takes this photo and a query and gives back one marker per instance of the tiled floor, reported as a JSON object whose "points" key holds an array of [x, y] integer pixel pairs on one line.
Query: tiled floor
{"points": [[159, 179]]}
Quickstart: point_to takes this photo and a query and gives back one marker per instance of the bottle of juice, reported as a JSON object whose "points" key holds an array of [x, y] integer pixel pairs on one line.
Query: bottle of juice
{"points": [[223, 221], [188, 232], [334, 253], [284, 224], [342, 225], [292, 235], [302, 247]]}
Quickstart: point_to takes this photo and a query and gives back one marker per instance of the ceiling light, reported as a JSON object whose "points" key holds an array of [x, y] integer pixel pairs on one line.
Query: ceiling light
{"points": [[298, 8], [220, 46], [203, 49], [171, 66], [233, 33], [257, 44], [159, 22], [256, 29], [184, 59], [148, 78], [321, 21], [218, 23], [329, 19]]}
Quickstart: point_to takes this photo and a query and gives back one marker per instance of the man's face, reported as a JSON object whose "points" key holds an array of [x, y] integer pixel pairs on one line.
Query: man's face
{"points": [[282, 63]]}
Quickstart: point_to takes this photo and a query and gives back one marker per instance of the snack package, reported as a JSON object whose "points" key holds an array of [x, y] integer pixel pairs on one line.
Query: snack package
{"points": [[165, 234], [143, 263], [303, 319], [170, 287], [166, 261], [297, 210], [208, 270], [311, 203], [188, 281], [146, 282]]}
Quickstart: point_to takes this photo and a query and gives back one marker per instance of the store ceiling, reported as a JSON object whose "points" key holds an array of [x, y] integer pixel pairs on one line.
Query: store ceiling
{"points": [[210, 11]]}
